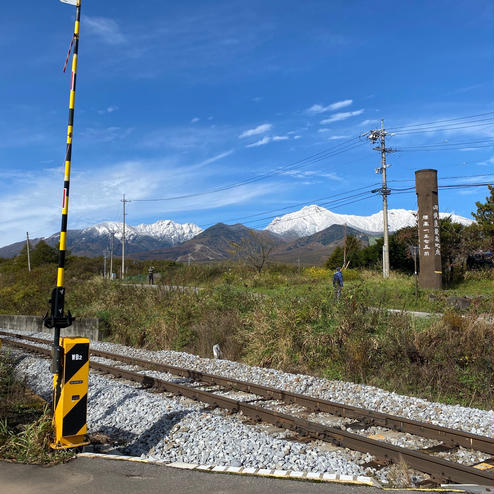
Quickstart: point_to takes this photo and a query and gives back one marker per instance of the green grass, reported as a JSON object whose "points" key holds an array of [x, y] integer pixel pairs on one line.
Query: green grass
{"points": [[25, 422], [289, 320]]}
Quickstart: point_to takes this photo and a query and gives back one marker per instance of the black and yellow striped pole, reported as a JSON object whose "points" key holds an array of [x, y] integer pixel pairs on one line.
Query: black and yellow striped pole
{"points": [[56, 317]]}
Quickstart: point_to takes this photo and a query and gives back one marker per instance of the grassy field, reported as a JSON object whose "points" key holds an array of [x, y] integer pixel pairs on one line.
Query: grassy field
{"points": [[288, 319]]}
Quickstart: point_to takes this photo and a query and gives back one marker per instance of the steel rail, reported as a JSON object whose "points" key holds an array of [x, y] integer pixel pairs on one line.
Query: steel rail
{"points": [[439, 469], [449, 437]]}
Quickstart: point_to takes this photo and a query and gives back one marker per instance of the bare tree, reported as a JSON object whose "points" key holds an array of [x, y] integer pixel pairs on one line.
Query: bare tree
{"points": [[254, 249]]}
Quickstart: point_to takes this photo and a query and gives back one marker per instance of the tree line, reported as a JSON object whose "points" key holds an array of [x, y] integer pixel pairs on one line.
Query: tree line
{"points": [[462, 247]]}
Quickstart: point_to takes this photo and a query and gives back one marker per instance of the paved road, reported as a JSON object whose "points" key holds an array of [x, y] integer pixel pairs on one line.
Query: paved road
{"points": [[102, 476]]}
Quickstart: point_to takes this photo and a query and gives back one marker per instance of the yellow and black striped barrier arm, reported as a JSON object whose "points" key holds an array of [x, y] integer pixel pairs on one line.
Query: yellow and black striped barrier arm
{"points": [[56, 317]]}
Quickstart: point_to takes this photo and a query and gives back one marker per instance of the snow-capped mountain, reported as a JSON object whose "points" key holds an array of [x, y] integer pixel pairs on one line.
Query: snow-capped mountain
{"points": [[163, 230], [96, 239], [313, 219]]}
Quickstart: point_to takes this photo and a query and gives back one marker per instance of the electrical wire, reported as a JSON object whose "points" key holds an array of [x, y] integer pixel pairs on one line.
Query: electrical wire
{"points": [[371, 196], [449, 178], [467, 117], [322, 155], [305, 203], [337, 150], [481, 123], [441, 144]]}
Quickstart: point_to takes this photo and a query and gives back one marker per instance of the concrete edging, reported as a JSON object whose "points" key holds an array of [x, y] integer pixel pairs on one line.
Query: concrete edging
{"points": [[85, 326], [263, 472]]}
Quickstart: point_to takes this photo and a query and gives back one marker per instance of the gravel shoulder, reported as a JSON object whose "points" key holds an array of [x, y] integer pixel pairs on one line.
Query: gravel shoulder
{"points": [[136, 422]]}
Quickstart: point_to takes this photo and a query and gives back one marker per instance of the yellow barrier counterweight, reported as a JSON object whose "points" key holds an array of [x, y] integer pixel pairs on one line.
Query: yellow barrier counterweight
{"points": [[70, 415]]}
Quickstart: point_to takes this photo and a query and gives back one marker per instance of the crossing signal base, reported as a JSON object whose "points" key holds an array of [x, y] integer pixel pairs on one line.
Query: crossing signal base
{"points": [[70, 403]]}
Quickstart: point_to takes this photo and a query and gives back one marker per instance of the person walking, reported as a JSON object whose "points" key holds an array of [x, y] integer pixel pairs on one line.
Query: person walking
{"points": [[337, 283], [151, 275]]}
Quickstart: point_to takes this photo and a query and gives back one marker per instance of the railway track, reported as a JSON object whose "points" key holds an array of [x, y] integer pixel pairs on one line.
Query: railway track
{"points": [[439, 469]]}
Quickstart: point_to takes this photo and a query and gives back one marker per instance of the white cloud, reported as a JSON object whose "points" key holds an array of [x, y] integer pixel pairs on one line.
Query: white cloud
{"points": [[260, 129], [324, 130], [297, 137], [261, 142], [105, 134], [280, 138], [368, 122], [312, 174], [316, 109], [334, 138], [107, 29], [34, 205], [109, 109], [488, 162], [216, 158], [185, 138], [195, 120], [341, 116]]}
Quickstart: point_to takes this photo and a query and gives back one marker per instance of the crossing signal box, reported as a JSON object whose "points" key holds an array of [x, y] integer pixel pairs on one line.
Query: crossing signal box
{"points": [[69, 418]]}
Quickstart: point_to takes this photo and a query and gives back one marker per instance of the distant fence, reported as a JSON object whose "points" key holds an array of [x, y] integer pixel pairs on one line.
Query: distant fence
{"points": [[85, 326]]}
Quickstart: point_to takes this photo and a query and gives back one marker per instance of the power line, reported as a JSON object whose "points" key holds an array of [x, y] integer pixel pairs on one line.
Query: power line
{"points": [[449, 178], [302, 204], [467, 117], [348, 146], [463, 186], [365, 196], [442, 144], [370, 196], [481, 123], [343, 147]]}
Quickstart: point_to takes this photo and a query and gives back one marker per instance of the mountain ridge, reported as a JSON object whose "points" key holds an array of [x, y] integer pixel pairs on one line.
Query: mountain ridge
{"points": [[161, 235], [312, 219]]}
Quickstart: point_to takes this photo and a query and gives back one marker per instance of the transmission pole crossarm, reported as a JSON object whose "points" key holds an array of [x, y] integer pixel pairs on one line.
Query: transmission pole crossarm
{"points": [[374, 136]]}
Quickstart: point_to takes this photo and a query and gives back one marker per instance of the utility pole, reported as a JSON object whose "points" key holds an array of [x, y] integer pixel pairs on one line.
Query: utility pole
{"points": [[344, 248], [111, 254], [374, 136], [124, 201], [104, 263], [28, 256]]}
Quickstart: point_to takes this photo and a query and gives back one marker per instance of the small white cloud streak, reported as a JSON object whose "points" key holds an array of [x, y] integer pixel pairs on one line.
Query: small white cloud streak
{"points": [[107, 29], [261, 142], [488, 162], [195, 120], [369, 121], [341, 116], [216, 158], [317, 109], [313, 174], [334, 138], [260, 129], [110, 109], [280, 138]]}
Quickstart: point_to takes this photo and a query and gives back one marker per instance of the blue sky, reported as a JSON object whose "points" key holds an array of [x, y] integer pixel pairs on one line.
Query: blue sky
{"points": [[184, 98]]}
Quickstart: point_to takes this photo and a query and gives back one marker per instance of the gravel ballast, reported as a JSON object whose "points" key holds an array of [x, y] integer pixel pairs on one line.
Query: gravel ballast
{"points": [[176, 429]]}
